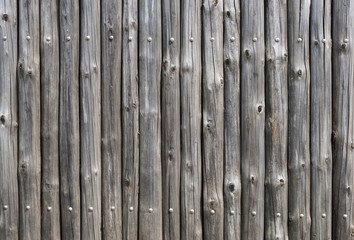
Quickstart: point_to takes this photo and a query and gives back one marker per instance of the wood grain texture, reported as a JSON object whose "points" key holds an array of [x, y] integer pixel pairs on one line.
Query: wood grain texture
{"points": [[111, 32], [276, 114], [90, 119], [170, 117], [50, 119], [213, 119], [150, 58], [343, 128], [191, 156], [252, 119], [321, 120], [130, 119], [69, 129], [9, 204], [232, 132], [28, 70], [299, 119]]}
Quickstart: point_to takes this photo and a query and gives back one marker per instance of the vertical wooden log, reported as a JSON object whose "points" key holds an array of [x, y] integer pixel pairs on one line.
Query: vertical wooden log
{"points": [[213, 119], [299, 119], [170, 114], [232, 168], [276, 114], [191, 163], [111, 119], [29, 169], [69, 131], [321, 120], [9, 215], [252, 119], [150, 202], [343, 119], [50, 119], [90, 119], [130, 119]]}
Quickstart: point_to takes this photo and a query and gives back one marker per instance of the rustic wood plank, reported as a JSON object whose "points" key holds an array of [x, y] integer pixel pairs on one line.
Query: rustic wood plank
{"points": [[252, 119], [170, 117], [111, 119], [130, 119], [321, 120], [29, 169], [343, 134], [299, 119], [213, 119], [232, 144], [69, 129], [150, 57], [90, 119], [50, 119], [191, 156], [9, 214], [276, 115]]}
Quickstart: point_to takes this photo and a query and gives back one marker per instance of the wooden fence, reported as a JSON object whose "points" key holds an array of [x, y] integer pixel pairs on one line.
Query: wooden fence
{"points": [[176, 119]]}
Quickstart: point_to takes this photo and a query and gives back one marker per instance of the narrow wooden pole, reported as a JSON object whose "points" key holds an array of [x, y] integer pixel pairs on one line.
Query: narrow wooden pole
{"points": [[170, 114], [28, 70], [252, 119], [232, 168], [321, 120], [50, 119], [150, 202], [276, 114], [343, 119], [299, 119], [191, 157], [90, 119], [111, 34], [130, 119], [9, 214]]}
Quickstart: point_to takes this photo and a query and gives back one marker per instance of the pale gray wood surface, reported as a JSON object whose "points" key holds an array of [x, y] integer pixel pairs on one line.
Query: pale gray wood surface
{"points": [[276, 115], [299, 119], [111, 53], [130, 120], [50, 119], [343, 121], [191, 156], [252, 119], [321, 120], [232, 132], [69, 129], [9, 214], [29, 165], [150, 58], [170, 117], [90, 119]]}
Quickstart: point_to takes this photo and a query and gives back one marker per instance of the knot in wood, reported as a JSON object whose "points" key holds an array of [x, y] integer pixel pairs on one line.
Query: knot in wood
{"points": [[232, 187], [248, 53], [5, 17], [260, 108], [299, 72], [2, 119]]}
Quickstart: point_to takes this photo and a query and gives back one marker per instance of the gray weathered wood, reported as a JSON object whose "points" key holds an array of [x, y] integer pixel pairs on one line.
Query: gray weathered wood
{"points": [[276, 114], [191, 156], [252, 119], [232, 144], [90, 119], [130, 119], [170, 117], [50, 119], [69, 129], [343, 119], [321, 120], [111, 119], [299, 119], [29, 166], [150, 57], [213, 119], [9, 215]]}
